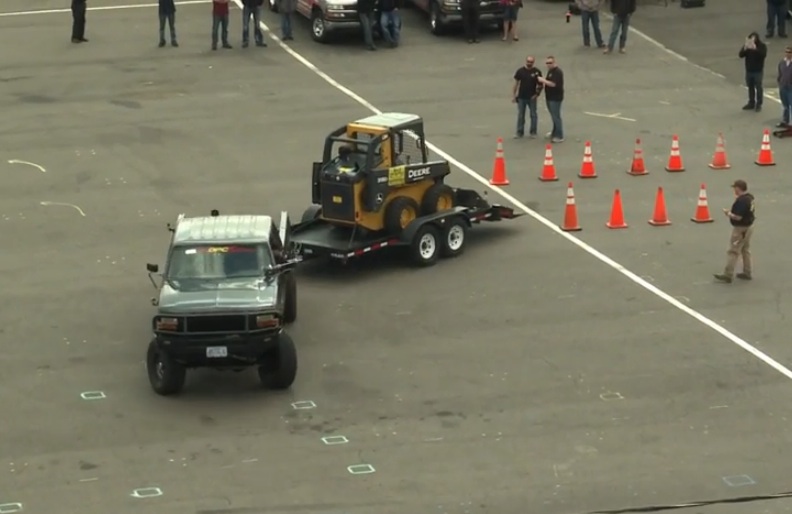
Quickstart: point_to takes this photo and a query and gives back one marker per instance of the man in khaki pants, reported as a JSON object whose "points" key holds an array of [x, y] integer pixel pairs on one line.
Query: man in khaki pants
{"points": [[742, 217]]}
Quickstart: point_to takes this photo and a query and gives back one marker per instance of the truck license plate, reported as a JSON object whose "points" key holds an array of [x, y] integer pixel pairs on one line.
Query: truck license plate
{"points": [[216, 351]]}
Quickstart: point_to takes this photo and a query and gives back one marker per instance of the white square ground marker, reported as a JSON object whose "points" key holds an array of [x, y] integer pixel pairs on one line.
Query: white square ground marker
{"points": [[608, 397], [146, 492], [361, 469], [8, 508], [93, 395], [739, 480], [303, 405], [335, 439]]}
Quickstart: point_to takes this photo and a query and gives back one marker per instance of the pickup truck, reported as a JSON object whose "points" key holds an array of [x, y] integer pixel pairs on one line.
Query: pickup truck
{"points": [[328, 17], [444, 14]]}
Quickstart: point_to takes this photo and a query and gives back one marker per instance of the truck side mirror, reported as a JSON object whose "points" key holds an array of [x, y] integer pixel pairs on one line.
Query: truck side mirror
{"points": [[152, 268]]}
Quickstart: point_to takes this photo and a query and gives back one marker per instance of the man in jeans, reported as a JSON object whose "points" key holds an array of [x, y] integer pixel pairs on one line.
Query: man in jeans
{"points": [[776, 16], [365, 9], [589, 14], [167, 13], [525, 92], [785, 86], [390, 21], [754, 52], [252, 9], [622, 11], [220, 20], [554, 95]]}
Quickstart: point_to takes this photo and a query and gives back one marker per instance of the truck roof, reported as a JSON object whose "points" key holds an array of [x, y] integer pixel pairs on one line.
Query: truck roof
{"points": [[389, 119], [223, 229]]}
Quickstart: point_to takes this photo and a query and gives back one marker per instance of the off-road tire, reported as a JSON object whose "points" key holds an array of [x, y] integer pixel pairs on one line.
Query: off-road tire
{"points": [[395, 213], [279, 373], [290, 302], [425, 246], [454, 238], [438, 197], [165, 375]]}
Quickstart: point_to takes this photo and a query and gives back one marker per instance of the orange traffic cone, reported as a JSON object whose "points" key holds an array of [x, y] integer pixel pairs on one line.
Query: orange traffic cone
{"points": [[765, 153], [638, 167], [570, 214], [548, 171], [660, 217], [499, 167], [702, 209], [617, 212], [587, 169], [719, 160], [675, 159]]}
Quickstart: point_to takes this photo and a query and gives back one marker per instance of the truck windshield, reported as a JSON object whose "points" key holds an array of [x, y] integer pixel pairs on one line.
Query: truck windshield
{"points": [[218, 261]]}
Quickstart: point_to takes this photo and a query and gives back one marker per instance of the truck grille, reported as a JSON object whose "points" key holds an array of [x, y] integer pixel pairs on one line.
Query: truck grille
{"points": [[338, 202], [232, 323]]}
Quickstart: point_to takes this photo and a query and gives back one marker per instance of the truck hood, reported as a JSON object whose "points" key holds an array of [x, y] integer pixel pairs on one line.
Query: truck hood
{"points": [[191, 296]]}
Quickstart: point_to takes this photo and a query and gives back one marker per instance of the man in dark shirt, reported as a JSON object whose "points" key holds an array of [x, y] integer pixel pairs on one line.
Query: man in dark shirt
{"points": [[365, 9], [78, 9], [554, 95], [252, 9], [220, 23], [167, 13], [471, 16], [622, 11], [776, 16], [754, 51], [525, 92], [742, 217]]}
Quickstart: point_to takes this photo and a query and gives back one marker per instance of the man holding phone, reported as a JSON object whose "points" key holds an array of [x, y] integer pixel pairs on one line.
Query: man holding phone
{"points": [[754, 53]]}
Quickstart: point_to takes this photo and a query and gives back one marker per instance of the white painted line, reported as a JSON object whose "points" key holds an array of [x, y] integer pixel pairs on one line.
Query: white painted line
{"points": [[100, 8], [610, 396], [26, 163], [614, 116], [8, 508], [94, 479], [546, 222], [49, 204]]}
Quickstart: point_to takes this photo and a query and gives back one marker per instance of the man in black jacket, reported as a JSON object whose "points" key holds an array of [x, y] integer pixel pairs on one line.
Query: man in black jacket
{"points": [[471, 14], [252, 9], [622, 10], [742, 217], [78, 9], [365, 9], [754, 52]]}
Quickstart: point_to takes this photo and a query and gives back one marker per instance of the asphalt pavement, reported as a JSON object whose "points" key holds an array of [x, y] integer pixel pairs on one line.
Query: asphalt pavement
{"points": [[525, 376]]}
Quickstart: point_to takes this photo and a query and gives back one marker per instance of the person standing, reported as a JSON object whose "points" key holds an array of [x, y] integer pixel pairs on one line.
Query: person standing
{"points": [[754, 53], [622, 11], [785, 86], [525, 93], [554, 95], [365, 9], [286, 9], [589, 15], [471, 15], [167, 12], [776, 17], [78, 8], [511, 9], [252, 9], [390, 21], [741, 216], [220, 21]]}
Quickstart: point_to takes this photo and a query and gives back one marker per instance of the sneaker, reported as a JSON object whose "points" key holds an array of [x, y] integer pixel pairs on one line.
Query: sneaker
{"points": [[748, 107], [758, 108], [557, 140], [720, 277], [782, 124], [744, 276], [162, 43], [227, 46], [532, 135], [549, 135], [518, 136], [245, 44], [261, 44], [622, 51], [174, 44]]}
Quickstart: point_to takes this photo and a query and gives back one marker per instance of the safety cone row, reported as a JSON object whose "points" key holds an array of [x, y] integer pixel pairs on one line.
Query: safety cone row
{"points": [[617, 219]]}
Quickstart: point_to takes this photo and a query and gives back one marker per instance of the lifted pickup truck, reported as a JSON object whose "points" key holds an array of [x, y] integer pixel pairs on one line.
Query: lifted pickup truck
{"points": [[444, 14]]}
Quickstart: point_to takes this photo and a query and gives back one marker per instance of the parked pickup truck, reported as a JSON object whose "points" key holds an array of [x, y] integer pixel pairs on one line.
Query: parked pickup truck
{"points": [[328, 17], [446, 13]]}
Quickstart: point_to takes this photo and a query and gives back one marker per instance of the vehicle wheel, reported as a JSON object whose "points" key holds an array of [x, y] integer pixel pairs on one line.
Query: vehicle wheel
{"points": [[166, 376], [290, 307], [318, 27], [400, 212], [425, 246], [439, 197], [454, 238], [281, 371], [436, 20], [273, 5]]}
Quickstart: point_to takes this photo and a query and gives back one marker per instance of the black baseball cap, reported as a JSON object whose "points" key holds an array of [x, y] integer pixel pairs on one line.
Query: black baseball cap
{"points": [[741, 184]]}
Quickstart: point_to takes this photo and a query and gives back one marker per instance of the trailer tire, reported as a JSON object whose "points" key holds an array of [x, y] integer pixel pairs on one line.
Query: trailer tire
{"points": [[400, 212], [425, 246], [439, 197], [454, 238]]}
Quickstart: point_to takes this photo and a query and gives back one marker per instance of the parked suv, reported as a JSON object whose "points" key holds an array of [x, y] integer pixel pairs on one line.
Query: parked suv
{"points": [[444, 14], [226, 293], [328, 17]]}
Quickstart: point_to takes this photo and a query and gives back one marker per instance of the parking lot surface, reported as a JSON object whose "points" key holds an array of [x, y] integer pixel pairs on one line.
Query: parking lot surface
{"points": [[524, 376]]}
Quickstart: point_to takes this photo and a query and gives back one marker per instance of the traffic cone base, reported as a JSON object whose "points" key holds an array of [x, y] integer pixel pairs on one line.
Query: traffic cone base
{"points": [[617, 213], [499, 167]]}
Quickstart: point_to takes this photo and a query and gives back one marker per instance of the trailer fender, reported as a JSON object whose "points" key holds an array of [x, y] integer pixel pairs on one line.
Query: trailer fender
{"points": [[439, 219], [311, 213]]}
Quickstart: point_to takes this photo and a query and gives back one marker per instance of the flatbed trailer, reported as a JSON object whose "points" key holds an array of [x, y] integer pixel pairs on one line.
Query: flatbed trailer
{"points": [[441, 234]]}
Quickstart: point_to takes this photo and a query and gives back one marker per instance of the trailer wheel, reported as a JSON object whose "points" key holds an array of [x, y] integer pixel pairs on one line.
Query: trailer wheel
{"points": [[439, 197], [454, 238], [400, 212], [425, 247]]}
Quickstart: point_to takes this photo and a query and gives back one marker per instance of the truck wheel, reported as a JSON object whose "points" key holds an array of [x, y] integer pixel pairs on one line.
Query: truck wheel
{"points": [[279, 373], [425, 246], [290, 307], [436, 19], [454, 238], [399, 213], [165, 375], [318, 27], [439, 197]]}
